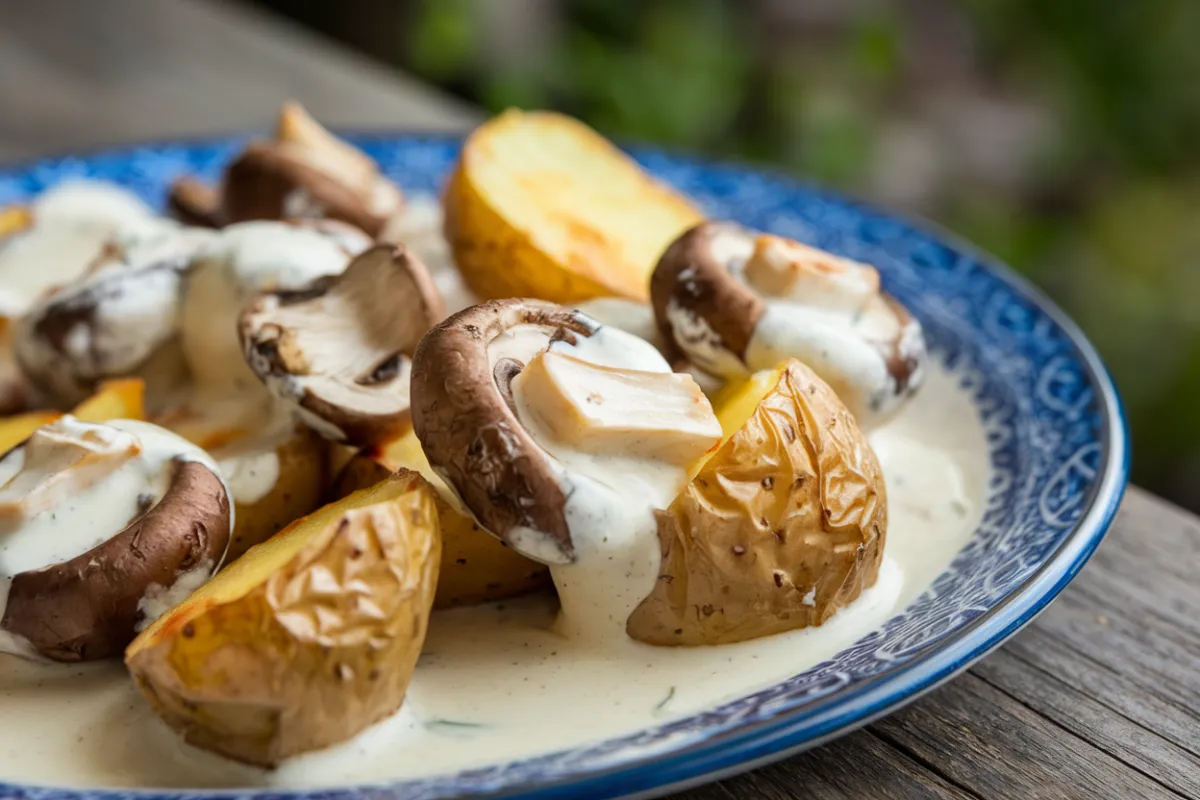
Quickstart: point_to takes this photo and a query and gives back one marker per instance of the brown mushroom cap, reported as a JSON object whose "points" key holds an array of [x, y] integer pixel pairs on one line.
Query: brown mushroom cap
{"points": [[304, 171], [462, 414], [706, 296], [87, 608], [691, 274], [341, 348]]}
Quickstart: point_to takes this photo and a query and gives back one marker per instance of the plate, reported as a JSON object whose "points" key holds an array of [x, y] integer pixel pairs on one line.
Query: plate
{"points": [[1058, 454]]}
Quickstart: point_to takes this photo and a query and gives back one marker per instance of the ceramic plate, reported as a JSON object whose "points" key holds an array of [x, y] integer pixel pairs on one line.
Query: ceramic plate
{"points": [[1058, 454]]}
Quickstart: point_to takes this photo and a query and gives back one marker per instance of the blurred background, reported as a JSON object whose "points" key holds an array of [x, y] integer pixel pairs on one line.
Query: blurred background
{"points": [[1063, 137]]}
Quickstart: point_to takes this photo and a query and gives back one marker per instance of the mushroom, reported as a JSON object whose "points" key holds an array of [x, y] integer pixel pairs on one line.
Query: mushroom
{"points": [[340, 349], [59, 236], [734, 302], [593, 395], [304, 172], [102, 528], [120, 320], [241, 261]]}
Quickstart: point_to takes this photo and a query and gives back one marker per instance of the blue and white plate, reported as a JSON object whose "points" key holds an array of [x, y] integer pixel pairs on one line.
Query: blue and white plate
{"points": [[1058, 465]]}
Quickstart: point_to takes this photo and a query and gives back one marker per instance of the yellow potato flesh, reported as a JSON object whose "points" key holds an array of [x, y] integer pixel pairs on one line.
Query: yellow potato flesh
{"points": [[543, 206]]}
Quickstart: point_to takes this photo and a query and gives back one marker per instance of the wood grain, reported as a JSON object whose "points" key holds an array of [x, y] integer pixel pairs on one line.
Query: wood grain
{"points": [[1099, 697]]}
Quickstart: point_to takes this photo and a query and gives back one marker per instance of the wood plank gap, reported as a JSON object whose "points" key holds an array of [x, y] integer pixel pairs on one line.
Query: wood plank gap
{"points": [[907, 752], [1133, 767]]}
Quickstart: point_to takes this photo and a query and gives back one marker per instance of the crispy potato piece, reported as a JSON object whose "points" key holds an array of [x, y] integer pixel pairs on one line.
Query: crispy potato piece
{"points": [[14, 430], [120, 399], [124, 398], [301, 464], [276, 477], [542, 206], [476, 566], [14, 219], [309, 638], [780, 528]]}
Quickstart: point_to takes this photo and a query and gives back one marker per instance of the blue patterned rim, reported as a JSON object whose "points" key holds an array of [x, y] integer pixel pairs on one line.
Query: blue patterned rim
{"points": [[1058, 447]]}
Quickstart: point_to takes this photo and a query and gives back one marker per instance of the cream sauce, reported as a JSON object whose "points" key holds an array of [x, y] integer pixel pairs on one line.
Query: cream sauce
{"points": [[419, 227], [498, 682], [94, 510], [72, 223]]}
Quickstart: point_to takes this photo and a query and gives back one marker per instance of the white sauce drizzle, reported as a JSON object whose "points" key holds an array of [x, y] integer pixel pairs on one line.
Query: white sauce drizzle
{"points": [[95, 512], [497, 682], [419, 227]]}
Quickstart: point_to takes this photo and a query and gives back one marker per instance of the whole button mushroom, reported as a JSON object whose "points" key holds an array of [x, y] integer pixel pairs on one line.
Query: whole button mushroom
{"points": [[339, 350], [735, 302], [103, 527], [304, 172]]}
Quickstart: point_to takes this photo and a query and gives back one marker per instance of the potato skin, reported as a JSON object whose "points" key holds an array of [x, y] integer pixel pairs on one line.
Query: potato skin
{"points": [[285, 669], [476, 566], [783, 526], [87, 608], [300, 489], [499, 239]]}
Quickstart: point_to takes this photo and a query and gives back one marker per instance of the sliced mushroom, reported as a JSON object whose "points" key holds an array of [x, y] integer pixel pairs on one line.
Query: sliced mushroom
{"points": [[490, 436], [240, 262], [101, 528], [120, 321], [304, 172], [732, 302], [340, 349]]}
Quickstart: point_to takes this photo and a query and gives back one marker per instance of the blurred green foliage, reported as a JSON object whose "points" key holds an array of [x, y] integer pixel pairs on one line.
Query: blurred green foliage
{"points": [[1084, 121]]}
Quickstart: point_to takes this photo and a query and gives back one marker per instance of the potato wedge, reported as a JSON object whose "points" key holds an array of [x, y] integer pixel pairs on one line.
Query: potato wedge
{"points": [[476, 566], [542, 206], [780, 528], [275, 481], [16, 429], [122, 399], [309, 638]]}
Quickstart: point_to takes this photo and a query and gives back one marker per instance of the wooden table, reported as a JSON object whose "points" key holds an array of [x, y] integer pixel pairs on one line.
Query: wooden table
{"points": [[1100, 697]]}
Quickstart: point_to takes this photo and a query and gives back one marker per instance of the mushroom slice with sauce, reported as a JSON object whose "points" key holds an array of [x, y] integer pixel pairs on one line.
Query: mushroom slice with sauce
{"points": [[102, 528], [736, 302], [340, 349], [489, 402], [303, 172], [121, 320]]}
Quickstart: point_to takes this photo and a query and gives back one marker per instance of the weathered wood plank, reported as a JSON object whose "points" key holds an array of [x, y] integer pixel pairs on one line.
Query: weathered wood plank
{"points": [[82, 74]]}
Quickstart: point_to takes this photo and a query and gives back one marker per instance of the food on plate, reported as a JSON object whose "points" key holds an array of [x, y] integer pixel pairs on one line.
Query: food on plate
{"points": [[102, 527], [561, 436], [466, 419], [339, 350], [16, 394], [124, 398], [241, 261], [736, 302], [274, 479], [119, 320], [780, 528], [542, 206], [303, 172], [121, 399], [476, 566], [307, 639], [57, 237]]}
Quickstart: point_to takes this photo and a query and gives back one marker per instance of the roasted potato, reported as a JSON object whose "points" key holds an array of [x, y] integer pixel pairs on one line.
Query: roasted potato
{"points": [[777, 530], [309, 638], [542, 206], [120, 399], [299, 465], [276, 476], [476, 566]]}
